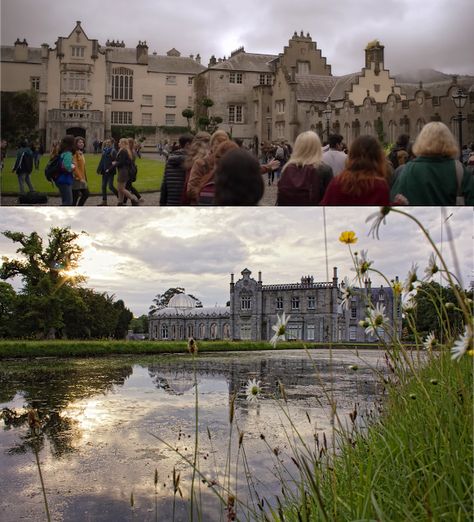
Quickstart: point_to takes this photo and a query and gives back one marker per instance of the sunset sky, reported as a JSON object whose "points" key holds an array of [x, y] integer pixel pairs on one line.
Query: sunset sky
{"points": [[140, 252]]}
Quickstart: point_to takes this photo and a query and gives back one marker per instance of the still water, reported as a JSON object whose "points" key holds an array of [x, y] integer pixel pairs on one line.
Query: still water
{"points": [[100, 419]]}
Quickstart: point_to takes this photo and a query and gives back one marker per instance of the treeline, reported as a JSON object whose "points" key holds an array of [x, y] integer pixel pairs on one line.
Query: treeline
{"points": [[53, 303]]}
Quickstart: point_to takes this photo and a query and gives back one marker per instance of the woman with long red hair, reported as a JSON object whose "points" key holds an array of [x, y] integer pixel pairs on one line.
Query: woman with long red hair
{"points": [[364, 180]]}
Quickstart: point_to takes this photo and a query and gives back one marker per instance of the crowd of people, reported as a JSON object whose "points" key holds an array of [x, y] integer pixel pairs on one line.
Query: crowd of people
{"points": [[205, 169], [72, 177], [215, 170]]}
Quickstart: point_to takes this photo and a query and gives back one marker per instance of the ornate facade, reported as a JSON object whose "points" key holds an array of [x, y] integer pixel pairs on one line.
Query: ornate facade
{"points": [[278, 97], [314, 308], [85, 88]]}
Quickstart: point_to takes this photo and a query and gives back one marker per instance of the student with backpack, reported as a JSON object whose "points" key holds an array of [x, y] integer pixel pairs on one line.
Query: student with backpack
{"points": [[107, 170], [24, 166], [65, 178], [305, 177]]}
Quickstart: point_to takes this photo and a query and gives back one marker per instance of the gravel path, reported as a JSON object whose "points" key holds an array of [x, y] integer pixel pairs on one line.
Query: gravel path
{"points": [[150, 199]]}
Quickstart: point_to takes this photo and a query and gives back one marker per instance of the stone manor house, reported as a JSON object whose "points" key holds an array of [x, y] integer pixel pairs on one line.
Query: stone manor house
{"points": [[86, 88], [314, 308]]}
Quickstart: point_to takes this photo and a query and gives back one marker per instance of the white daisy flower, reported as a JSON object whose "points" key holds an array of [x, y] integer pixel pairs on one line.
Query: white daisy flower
{"points": [[462, 345], [253, 390], [409, 304], [379, 218], [430, 342], [411, 278], [432, 267], [376, 319], [347, 292], [362, 263], [280, 329]]}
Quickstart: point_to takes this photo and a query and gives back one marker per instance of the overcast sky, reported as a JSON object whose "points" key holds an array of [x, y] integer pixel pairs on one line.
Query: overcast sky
{"points": [[417, 34], [137, 258]]}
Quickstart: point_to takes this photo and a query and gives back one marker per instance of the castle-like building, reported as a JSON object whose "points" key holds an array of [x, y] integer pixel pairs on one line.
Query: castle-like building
{"points": [[86, 88], [315, 311]]}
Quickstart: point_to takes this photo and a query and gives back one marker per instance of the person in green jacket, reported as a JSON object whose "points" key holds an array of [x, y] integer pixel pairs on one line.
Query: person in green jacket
{"points": [[435, 176]]}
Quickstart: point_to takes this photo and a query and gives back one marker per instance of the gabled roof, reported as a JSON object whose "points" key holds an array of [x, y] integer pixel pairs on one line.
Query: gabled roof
{"points": [[246, 62]]}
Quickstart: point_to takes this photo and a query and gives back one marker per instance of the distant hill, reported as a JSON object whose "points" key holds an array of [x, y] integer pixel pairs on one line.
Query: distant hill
{"points": [[424, 75]]}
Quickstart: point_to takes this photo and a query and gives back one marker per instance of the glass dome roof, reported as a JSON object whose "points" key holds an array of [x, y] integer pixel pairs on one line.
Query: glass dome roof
{"points": [[182, 301]]}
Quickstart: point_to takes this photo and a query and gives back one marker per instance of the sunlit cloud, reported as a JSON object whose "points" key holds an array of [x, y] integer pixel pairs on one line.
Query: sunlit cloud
{"points": [[199, 248]]}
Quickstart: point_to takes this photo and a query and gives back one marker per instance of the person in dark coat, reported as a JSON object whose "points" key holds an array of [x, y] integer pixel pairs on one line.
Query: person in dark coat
{"points": [[24, 166], [107, 170], [305, 177], [175, 174]]}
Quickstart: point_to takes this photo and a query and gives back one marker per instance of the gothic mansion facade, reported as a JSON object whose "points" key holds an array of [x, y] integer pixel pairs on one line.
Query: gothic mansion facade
{"points": [[314, 308], [86, 88]]}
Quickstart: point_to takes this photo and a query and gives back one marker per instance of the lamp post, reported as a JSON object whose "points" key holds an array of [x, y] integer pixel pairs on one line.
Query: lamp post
{"points": [[459, 100], [327, 114]]}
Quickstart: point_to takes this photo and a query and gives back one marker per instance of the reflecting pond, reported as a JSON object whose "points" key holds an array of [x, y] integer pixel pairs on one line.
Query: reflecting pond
{"points": [[100, 419]]}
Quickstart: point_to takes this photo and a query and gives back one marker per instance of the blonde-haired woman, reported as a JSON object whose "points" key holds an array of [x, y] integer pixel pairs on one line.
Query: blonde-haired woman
{"points": [[203, 168], [305, 177], [434, 177], [123, 163]]}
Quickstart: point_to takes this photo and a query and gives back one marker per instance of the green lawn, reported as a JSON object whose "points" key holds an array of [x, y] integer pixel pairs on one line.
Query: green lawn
{"points": [[150, 175], [72, 348]]}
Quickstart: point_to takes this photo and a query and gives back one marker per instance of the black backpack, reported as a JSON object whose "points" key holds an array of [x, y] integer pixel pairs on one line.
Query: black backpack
{"points": [[53, 168], [25, 165]]}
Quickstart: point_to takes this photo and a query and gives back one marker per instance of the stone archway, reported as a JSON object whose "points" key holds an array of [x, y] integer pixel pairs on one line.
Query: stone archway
{"points": [[77, 132]]}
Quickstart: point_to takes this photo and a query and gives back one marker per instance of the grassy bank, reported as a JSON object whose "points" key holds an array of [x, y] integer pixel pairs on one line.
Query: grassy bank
{"points": [[150, 175], [20, 348], [413, 463]]}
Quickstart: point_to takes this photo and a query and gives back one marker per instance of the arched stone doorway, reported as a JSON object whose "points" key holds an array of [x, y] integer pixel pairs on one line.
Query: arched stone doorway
{"points": [[77, 132]]}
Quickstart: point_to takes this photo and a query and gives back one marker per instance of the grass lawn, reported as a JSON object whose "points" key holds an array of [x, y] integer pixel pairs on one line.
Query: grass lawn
{"points": [[150, 175], [72, 348]]}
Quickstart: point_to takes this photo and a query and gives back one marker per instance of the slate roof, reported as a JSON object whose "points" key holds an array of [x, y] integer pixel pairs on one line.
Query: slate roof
{"points": [[158, 63], [343, 84], [8, 53], [317, 87], [314, 87], [246, 62]]}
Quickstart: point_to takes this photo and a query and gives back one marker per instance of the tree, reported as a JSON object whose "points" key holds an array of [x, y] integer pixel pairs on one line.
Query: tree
{"points": [[429, 298], [47, 273], [123, 320], [188, 114], [203, 122], [19, 115], [140, 324], [8, 302], [207, 102]]}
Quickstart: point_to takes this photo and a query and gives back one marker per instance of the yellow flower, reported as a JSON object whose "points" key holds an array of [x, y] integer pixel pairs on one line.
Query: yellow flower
{"points": [[397, 287], [348, 237]]}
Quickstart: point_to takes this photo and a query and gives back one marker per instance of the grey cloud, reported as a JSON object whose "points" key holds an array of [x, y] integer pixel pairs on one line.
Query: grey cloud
{"points": [[427, 33]]}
